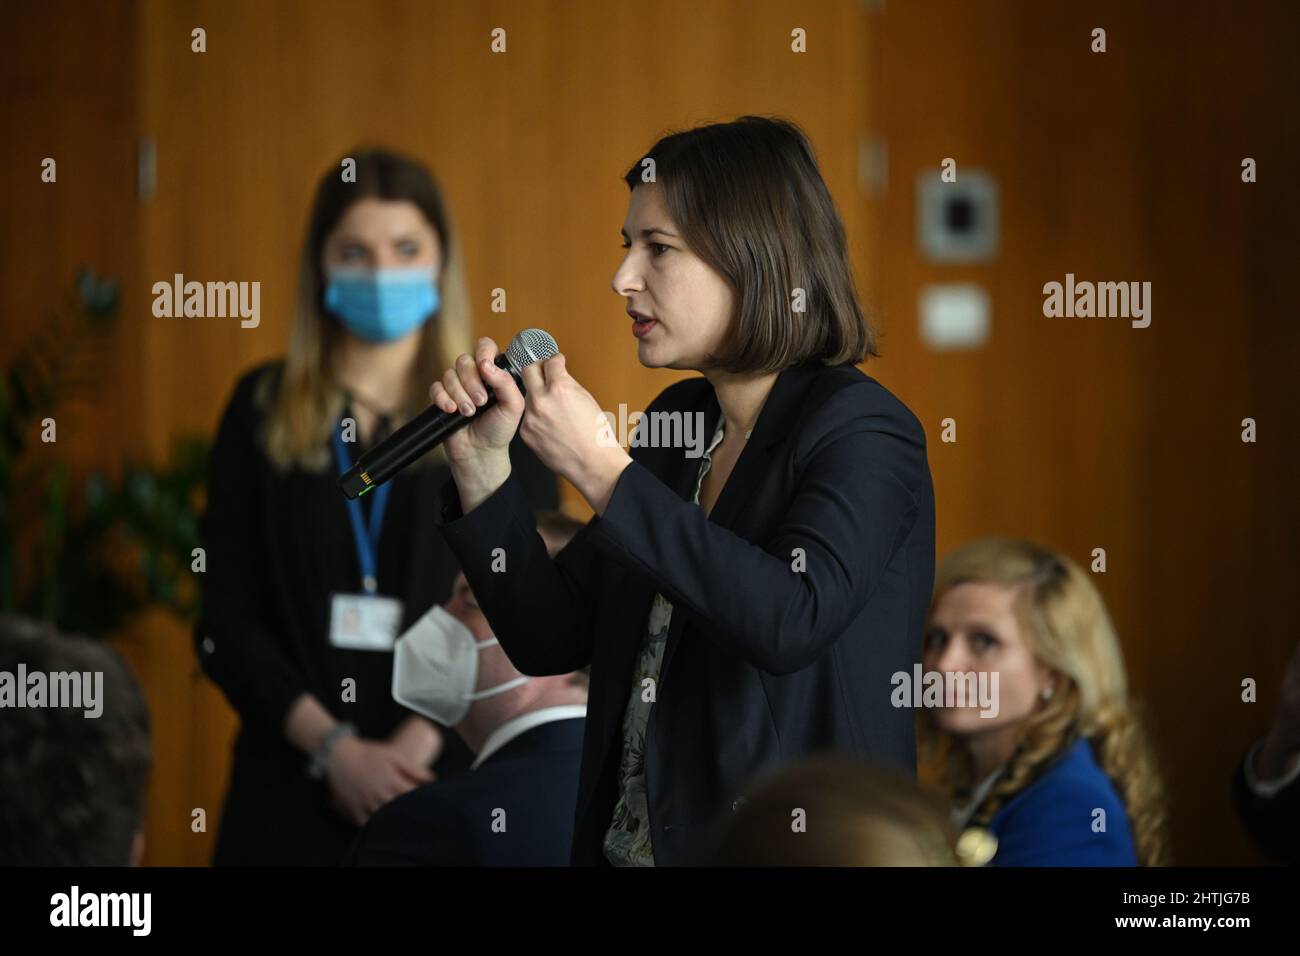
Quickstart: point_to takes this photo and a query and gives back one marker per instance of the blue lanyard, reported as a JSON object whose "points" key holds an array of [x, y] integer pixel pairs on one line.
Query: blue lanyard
{"points": [[367, 542]]}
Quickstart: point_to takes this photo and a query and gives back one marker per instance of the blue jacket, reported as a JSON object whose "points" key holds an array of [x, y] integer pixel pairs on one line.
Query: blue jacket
{"points": [[1053, 821]]}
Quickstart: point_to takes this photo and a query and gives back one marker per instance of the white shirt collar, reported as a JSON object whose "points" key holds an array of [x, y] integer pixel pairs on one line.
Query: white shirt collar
{"points": [[517, 725]]}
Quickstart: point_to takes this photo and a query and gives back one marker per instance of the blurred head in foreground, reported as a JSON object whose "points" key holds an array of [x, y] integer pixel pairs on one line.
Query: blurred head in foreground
{"points": [[74, 758], [832, 811]]}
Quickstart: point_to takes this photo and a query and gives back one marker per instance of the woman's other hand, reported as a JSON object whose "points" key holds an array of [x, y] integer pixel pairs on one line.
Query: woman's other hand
{"points": [[569, 432]]}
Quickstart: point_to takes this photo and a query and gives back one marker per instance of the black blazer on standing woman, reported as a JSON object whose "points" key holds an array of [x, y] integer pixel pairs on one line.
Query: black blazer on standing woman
{"points": [[763, 663]]}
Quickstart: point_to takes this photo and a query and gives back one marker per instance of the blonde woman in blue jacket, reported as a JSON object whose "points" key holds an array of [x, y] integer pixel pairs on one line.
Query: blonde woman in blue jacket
{"points": [[1059, 771]]}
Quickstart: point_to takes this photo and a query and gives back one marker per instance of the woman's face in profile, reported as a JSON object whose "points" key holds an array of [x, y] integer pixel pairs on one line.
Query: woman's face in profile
{"points": [[685, 304], [973, 628], [382, 234]]}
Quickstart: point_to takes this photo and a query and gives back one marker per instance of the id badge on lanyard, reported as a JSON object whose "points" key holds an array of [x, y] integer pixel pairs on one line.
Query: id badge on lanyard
{"points": [[366, 621]]}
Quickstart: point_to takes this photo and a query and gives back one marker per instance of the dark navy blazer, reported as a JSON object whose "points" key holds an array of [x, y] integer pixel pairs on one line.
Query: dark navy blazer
{"points": [[514, 809], [795, 599], [1053, 821], [1273, 823]]}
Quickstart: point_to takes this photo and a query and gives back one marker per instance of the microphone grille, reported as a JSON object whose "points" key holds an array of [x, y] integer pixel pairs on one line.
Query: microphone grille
{"points": [[529, 346]]}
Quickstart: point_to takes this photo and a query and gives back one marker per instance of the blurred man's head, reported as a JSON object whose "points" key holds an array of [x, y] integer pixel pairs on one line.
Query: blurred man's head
{"points": [[831, 811], [74, 785], [494, 667]]}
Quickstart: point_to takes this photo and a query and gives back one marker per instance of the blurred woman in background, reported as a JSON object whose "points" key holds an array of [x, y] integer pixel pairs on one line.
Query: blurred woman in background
{"points": [[1059, 770], [304, 591]]}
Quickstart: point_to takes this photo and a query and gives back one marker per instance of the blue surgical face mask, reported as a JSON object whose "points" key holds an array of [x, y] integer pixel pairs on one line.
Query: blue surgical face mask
{"points": [[380, 305]]}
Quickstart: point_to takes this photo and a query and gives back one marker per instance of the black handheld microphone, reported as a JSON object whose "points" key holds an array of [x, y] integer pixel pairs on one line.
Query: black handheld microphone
{"points": [[432, 426]]}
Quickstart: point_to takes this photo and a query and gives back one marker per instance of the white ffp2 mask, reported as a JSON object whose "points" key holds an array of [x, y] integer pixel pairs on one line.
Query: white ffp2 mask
{"points": [[435, 668]]}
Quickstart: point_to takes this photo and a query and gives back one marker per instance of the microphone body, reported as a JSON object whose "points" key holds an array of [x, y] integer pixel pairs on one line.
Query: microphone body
{"points": [[425, 431], [432, 426]]}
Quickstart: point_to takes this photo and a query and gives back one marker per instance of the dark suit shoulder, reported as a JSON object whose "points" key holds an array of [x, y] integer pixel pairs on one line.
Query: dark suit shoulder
{"points": [[469, 799], [843, 400], [853, 390]]}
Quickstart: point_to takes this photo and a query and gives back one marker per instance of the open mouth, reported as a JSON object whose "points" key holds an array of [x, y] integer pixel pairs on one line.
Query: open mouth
{"points": [[641, 324]]}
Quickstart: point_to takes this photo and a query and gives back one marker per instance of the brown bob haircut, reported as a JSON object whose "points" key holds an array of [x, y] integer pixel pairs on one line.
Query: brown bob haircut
{"points": [[750, 201]]}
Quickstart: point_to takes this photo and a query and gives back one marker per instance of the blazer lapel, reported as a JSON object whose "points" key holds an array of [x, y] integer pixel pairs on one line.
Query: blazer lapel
{"points": [[778, 419], [685, 470]]}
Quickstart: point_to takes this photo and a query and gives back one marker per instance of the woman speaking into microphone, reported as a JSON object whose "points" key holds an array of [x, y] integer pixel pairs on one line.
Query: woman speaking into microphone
{"points": [[739, 608]]}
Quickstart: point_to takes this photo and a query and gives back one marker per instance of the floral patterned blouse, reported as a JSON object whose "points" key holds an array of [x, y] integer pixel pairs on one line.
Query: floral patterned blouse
{"points": [[627, 842]]}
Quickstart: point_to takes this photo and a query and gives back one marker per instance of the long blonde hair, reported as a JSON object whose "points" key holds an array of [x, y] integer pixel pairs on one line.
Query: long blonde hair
{"points": [[303, 404], [1066, 626]]}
